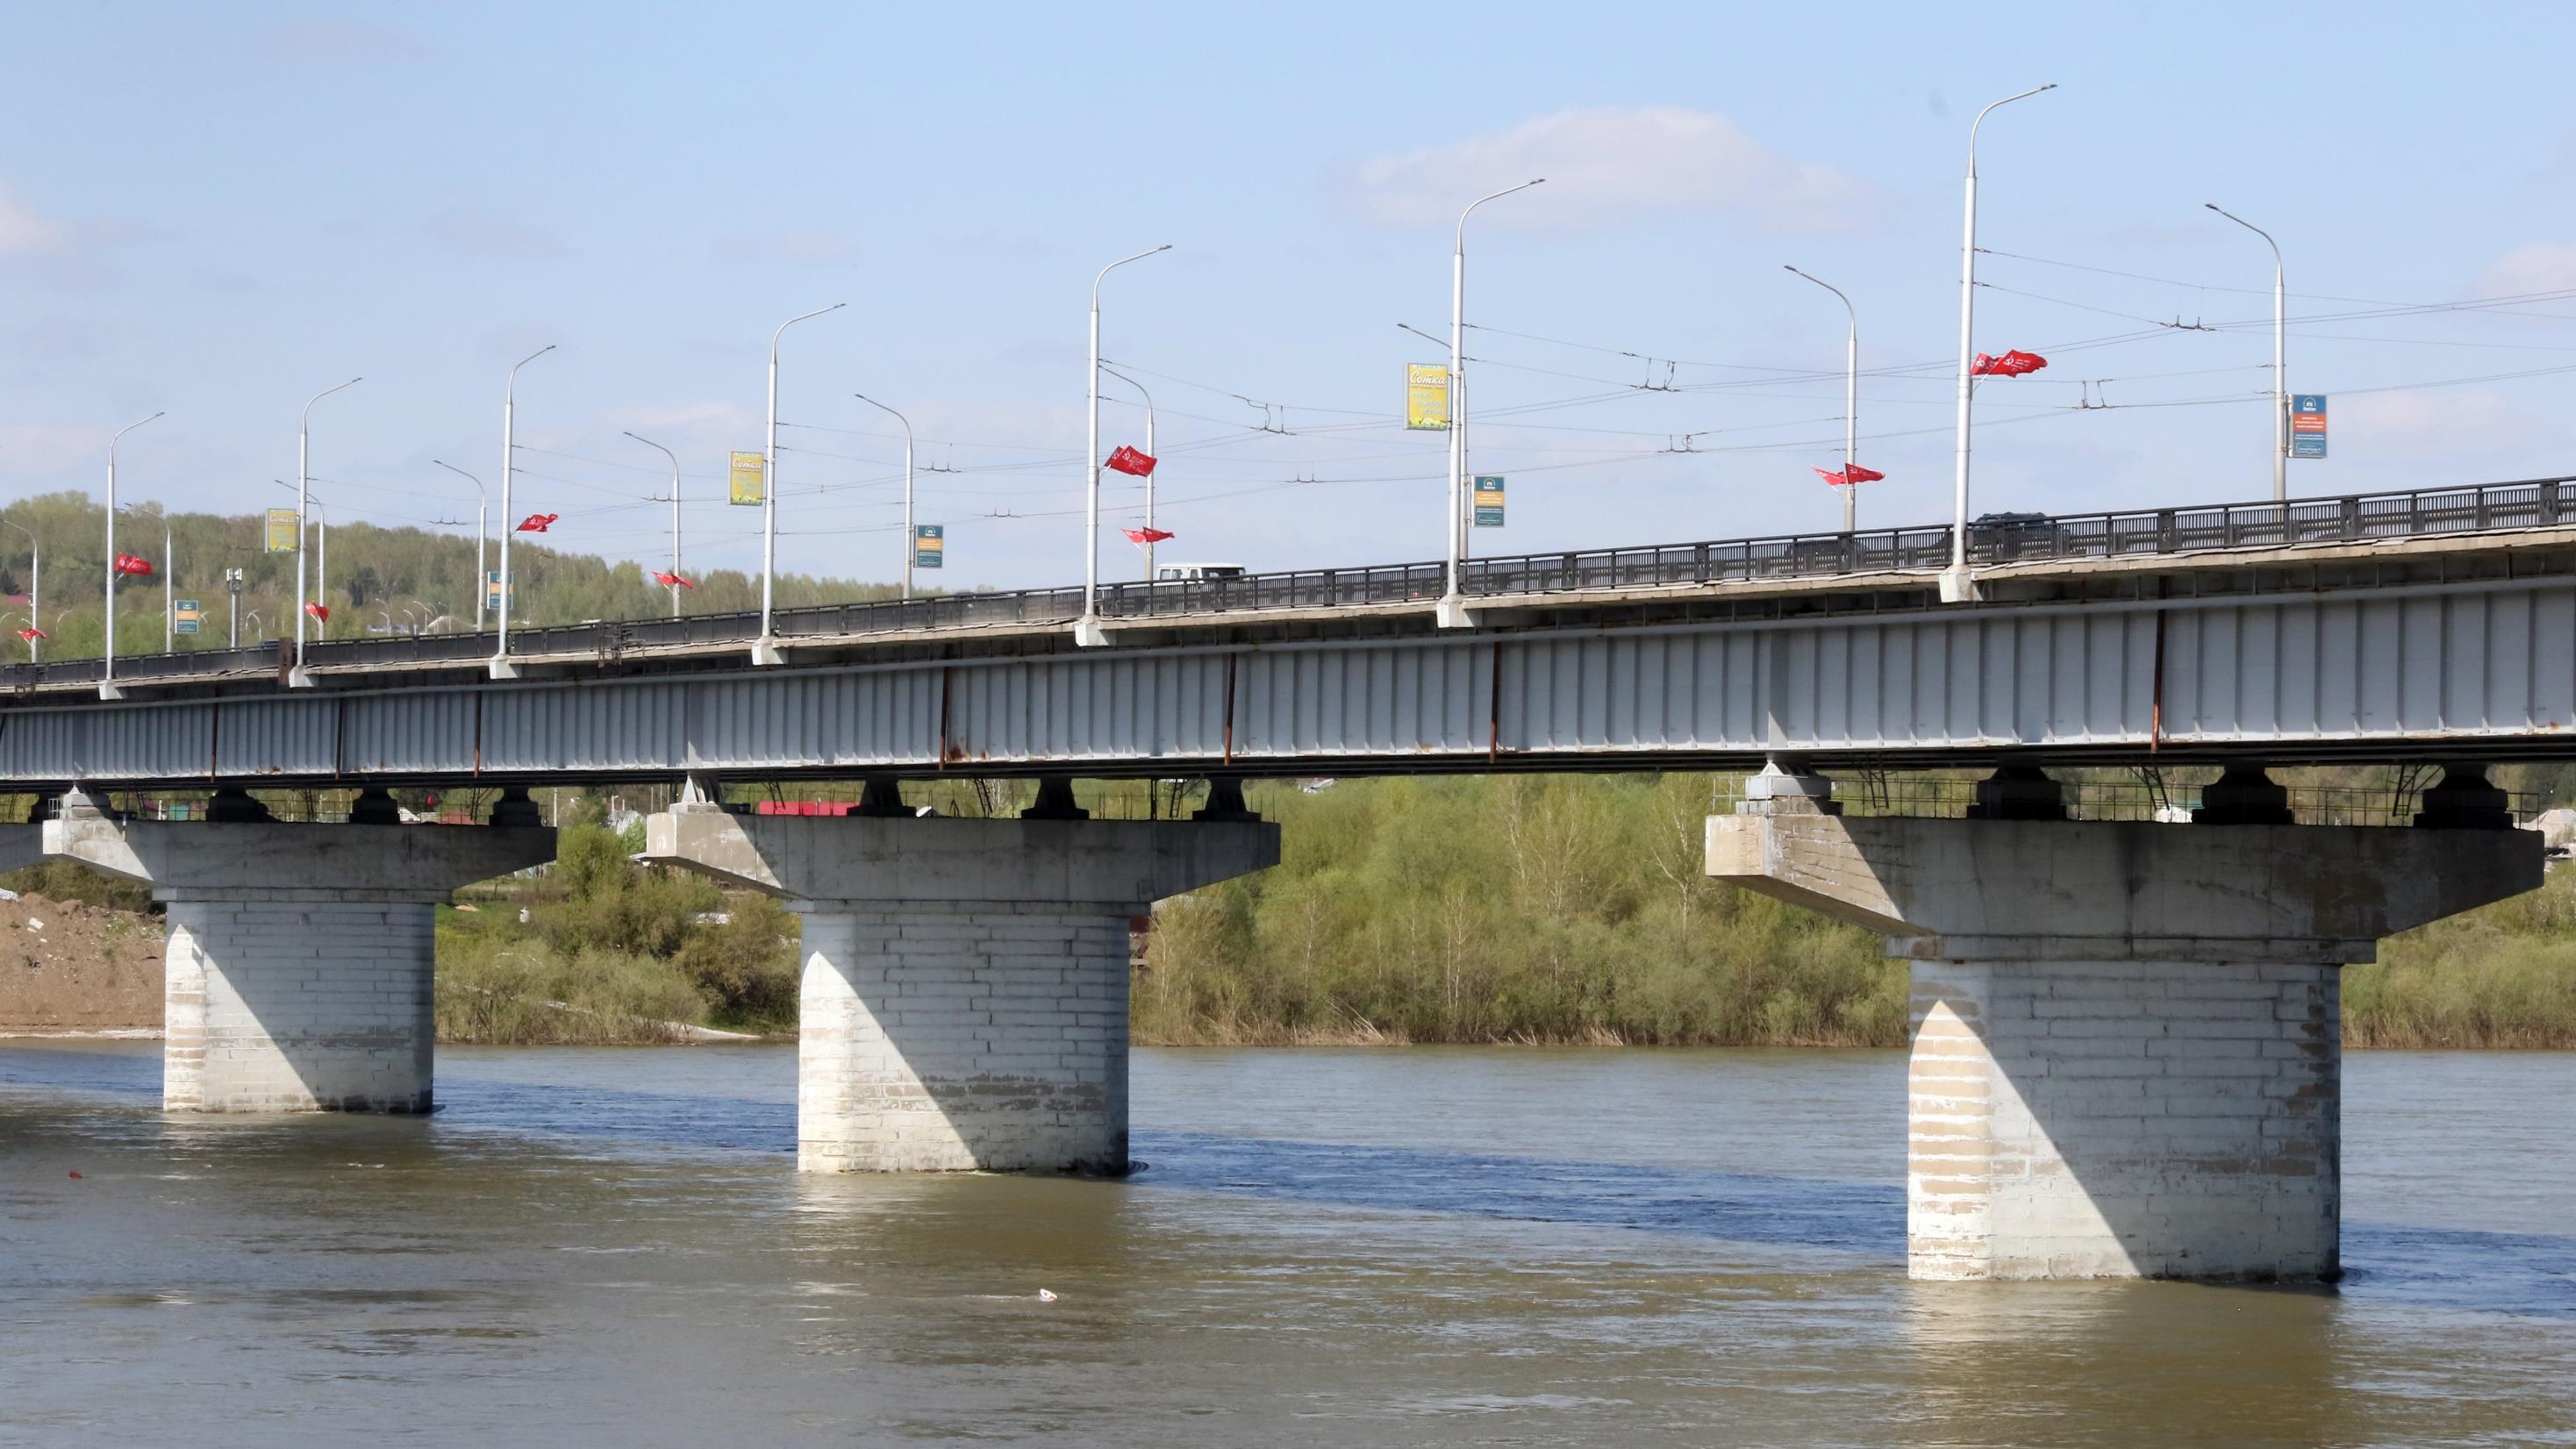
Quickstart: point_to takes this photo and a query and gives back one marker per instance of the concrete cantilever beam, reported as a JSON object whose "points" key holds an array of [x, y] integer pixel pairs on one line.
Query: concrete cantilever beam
{"points": [[300, 965]]}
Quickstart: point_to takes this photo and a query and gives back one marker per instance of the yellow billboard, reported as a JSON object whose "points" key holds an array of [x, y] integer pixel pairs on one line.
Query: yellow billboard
{"points": [[1426, 396], [281, 530], [747, 474]]}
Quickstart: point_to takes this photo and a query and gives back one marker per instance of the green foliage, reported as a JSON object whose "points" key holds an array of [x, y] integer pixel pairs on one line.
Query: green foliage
{"points": [[746, 966], [1510, 909], [376, 576], [69, 880], [522, 992], [2501, 976]]}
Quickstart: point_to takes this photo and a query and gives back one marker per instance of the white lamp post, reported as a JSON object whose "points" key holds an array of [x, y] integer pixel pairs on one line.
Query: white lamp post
{"points": [[107, 678], [501, 667], [1088, 630], [295, 675], [1851, 399], [1150, 453], [2280, 348], [1452, 611], [35, 587], [1956, 585], [764, 650], [907, 485], [482, 530], [675, 514]]}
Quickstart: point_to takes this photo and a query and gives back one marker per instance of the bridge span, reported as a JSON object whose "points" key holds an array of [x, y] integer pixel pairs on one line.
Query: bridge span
{"points": [[2126, 1052], [2426, 624]]}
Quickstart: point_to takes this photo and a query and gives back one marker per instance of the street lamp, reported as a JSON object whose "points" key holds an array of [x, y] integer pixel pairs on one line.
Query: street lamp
{"points": [[321, 569], [1851, 398], [482, 530], [1452, 613], [1150, 453], [1956, 586], [36, 585], [1087, 630], [501, 668], [2280, 376], [169, 572], [675, 514], [295, 676], [907, 484], [253, 616], [765, 649], [107, 676]]}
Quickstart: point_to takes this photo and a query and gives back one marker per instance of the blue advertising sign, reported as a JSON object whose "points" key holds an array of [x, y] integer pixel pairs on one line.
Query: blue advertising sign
{"points": [[2307, 425]]}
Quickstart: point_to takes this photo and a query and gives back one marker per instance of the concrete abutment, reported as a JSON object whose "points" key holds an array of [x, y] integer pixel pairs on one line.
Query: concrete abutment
{"points": [[964, 996], [300, 967], [2126, 1048]]}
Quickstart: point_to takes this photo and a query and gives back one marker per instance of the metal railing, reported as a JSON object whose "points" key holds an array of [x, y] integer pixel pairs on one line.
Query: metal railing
{"points": [[1994, 540]]}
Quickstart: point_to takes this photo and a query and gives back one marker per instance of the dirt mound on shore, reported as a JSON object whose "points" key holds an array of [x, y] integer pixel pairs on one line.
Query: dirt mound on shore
{"points": [[69, 967]]}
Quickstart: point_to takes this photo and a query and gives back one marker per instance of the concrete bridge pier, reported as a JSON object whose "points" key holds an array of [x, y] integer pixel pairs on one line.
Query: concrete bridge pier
{"points": [[964, 1003], [300, 965], [2127, 1056]]}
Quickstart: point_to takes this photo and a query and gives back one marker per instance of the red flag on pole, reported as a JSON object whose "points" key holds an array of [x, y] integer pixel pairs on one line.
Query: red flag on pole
{"points": [[672, 581], [2015, 363], [1834, 478], [1860, 474], [127, 563], [1129, 461], [538, 522], [1148, 535], [319, 611], [32, 634]]}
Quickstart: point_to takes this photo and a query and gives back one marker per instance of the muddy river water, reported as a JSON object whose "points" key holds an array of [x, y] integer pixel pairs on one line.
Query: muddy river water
{"points": [[1416, 1247]]}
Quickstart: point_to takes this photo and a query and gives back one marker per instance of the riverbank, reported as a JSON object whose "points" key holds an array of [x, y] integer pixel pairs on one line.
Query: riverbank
{"points": [[1514, 910]]}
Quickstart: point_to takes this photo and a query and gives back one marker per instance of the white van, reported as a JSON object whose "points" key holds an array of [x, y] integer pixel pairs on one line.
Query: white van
{"points": [[1195, 572]]}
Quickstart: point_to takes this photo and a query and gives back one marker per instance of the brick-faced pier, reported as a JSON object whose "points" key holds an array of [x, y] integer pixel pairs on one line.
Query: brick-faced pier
{"points": [[965, 984], [300, 968], [2127, 1059]]}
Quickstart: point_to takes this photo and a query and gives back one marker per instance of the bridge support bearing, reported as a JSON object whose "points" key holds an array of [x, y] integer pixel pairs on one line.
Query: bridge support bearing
{"points": [[299, 970], [964, 1004], [2127, 1060]]}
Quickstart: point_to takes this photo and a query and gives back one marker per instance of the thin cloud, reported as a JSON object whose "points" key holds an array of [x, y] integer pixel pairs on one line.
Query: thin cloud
{"points": [[1609, 163], [2531, 267], [25, 231], [472, 232], [795, 246]]}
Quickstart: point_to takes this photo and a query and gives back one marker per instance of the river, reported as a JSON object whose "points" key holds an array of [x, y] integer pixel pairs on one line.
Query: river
{"points": [[1415, 1247]]}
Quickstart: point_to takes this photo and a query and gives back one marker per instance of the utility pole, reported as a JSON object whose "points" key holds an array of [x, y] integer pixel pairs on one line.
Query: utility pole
{"points": [[1851, 400], [1956, 585], [2280, 363], [1150, 453], [675, 514], [1452, 611], [765, 649], [501, 667], [1088, 630], [907, 485], [107, 677], [482, 530]]}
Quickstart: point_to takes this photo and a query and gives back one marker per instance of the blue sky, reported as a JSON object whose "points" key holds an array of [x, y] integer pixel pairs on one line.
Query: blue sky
{"points": [[219, 210]]}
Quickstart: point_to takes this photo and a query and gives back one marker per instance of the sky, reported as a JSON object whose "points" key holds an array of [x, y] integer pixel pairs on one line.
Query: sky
{"points": [[219, 211]]}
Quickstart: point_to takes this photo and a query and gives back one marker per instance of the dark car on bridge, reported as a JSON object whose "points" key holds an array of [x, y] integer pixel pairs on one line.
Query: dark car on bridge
{"points": [[2002, 537]]}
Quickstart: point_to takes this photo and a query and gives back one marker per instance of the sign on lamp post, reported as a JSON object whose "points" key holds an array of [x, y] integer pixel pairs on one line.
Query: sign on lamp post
{"points": [[2308, 425]]}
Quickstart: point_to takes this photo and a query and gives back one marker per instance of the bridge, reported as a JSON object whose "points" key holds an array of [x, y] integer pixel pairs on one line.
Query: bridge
{"points": [[2125, 1057], [2368, 627]]}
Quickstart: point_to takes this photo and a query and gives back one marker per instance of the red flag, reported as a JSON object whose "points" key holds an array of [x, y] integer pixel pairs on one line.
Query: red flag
{"points": [[1836, 479], [1148, 535], [2015, 363], [672, 581], [319, 611], [32, 634], [127, 563], [1860, 474], [538, 522], [1129, 461]]}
